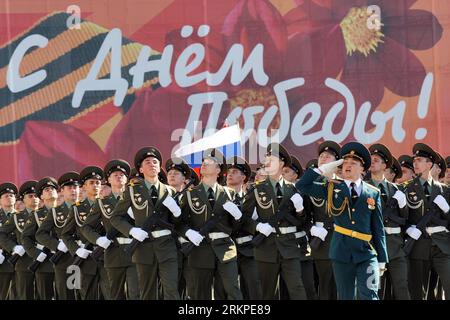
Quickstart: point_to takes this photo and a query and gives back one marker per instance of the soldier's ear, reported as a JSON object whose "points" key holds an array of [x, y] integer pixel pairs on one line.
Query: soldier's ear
{"points": [[140, 170]]}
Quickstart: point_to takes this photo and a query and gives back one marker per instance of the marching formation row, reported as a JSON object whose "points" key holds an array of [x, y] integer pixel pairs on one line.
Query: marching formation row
{"points": [[355, 224]]}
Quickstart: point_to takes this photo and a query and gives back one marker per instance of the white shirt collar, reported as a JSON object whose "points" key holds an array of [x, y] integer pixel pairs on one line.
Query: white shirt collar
{"points": [[357, 183]]}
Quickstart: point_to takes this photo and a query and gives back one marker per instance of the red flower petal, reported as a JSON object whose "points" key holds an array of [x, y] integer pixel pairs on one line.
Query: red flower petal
{"points": [[51, 148], [315, 55], [364, 77], [416, 29], [257, 21], [180, 13], [391, 8], [403, 71]]}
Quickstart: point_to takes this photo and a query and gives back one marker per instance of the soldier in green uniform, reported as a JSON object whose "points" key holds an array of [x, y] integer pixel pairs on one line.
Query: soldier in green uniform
{"points": [[118, 265], [11, 240], [322, 230], [8, 192], [438, 169], [292, 174], [406, 164], [47, 190], [214, 250], [278, 252], [92, 272], [358, 246], [49, 232], [178, 174], [238, 174], [447, 171], [394, 172], [434, 285], [427, 224], [156, 254], [395, 214]]}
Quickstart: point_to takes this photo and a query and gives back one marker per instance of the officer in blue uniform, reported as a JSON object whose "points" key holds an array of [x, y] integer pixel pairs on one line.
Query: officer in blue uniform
{"points": [[358, 246]]}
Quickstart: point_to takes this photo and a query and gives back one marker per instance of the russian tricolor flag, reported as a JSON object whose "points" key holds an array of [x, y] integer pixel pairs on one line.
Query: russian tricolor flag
{"points": [[227, 140]]}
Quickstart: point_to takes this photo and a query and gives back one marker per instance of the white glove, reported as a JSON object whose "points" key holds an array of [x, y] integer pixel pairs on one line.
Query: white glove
{"points": [[62, 246], [130, 213], [265, 228], [441, 203], [382, 267], [139, 234], [2, 258], [233, 210], [171, 204], [329, 168], [401, 199], [413, 232], [41, 257], [103, 242], [194, 237], [19, 250], [83, 253], [298, 202], [319, 232], [255, 215]]}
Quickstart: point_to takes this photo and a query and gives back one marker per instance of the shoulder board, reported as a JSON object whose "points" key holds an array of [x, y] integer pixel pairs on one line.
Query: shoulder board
{"points": [[438, 183], [408, 181], [337, 180], [172, 190], [372, 187], [77, 203]]}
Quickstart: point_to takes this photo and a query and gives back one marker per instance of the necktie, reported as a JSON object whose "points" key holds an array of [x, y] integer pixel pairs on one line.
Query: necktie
{"points": [[279, 193], [154, 194], [426, 190], [237, 200], [383, 193], [353, 192], [211, 199]]}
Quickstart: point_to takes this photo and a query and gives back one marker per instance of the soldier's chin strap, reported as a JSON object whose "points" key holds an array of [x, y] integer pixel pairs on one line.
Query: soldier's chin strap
{"points": [[330, 205]]}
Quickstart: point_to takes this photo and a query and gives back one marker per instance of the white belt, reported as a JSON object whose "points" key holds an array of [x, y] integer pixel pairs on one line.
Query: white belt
{"points": [[286, 230], [242, 240], [431, 230], [122, 240], [182, 240], [390, 230], [218, 235], [39, 247], [161, 233], [80, 243], [300, 234]]}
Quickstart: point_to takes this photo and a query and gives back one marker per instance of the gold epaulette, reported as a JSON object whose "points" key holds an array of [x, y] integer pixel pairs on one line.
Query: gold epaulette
{"points": [[135, 182], [407, 182]]}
